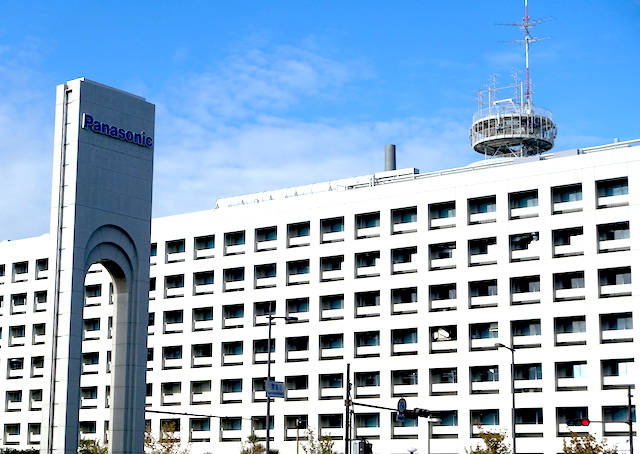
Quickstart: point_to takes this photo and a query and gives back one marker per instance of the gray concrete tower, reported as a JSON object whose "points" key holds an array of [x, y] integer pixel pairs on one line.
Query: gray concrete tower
{"points": [[101, 213]]}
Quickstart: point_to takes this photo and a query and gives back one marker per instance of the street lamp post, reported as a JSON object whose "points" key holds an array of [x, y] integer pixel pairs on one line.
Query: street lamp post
{"points": [[513, 392], [270, 317], [430, 422]]}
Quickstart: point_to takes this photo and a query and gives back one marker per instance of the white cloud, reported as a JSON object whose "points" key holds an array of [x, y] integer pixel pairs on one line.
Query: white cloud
{"points": [[257, 82], [262, 157], [25, 148], [231, 132], [234, 130]]}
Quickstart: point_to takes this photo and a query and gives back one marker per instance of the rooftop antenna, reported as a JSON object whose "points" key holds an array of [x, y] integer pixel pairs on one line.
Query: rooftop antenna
{"points": [[526, 25], [513, 126]]}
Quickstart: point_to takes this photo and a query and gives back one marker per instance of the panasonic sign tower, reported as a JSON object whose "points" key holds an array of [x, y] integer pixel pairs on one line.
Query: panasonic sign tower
{"points": [[101, 213]]}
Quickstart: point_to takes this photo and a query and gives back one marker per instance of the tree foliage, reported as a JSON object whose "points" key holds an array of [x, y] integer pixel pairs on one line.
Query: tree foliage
{"points": [[586, 444], [493, 442], [321, 445], [252, 445], [168, 443], [90, 446]]}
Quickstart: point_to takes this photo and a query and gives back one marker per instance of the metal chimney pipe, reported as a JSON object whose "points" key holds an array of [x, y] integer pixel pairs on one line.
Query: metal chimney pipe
{"points": [[389, 157]]}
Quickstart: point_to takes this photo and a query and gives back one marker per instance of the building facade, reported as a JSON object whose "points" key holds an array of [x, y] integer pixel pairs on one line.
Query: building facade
{"points": [[410, 279]]}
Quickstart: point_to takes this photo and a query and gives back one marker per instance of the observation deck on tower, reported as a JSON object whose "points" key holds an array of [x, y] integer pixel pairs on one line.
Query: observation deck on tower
{"points": [[511, 126]]}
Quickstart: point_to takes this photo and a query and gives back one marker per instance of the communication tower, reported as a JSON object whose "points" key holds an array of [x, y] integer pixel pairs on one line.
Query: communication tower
{"points": [[512, 125]]}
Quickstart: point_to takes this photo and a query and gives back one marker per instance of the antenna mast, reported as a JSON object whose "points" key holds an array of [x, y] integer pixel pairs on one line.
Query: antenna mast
{"points": [[527, 38], [513, 126], [526, 25]]}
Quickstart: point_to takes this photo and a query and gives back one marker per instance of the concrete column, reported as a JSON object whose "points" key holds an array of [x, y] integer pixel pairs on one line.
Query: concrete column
{"points": [[101, 212]]}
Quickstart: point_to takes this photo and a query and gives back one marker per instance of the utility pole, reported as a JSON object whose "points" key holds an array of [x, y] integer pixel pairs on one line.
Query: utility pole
{"points": [[347, 406], [270, 318], [630, 422], [513, 392]]}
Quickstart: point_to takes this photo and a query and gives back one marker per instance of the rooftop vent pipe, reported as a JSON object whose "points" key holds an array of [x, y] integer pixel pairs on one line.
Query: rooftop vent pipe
{"points": [[389, 157]]}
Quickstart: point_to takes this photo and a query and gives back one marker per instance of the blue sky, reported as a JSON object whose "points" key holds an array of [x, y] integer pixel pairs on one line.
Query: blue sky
{"points": [[254, 95]]}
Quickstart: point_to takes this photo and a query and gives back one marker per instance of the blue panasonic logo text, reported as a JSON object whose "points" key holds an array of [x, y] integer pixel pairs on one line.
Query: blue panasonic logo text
{"points": [[139, 138]]}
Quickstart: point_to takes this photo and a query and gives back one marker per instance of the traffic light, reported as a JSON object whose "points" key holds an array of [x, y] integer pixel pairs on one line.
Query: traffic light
{"points": [[578, 422], [422, 412], [365, 447]]}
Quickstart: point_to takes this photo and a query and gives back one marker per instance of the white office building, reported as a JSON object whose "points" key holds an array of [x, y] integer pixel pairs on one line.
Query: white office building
{"points": [[410, 279]]}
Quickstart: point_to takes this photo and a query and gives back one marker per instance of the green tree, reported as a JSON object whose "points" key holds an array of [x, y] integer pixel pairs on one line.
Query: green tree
{"points": [[252, 445], [586, 444], [168, 443], [494, 444], [88, 446], [322, 445]]}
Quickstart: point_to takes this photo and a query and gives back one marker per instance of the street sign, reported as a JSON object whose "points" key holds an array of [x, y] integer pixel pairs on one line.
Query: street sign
{"points": [[274, 388]]}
